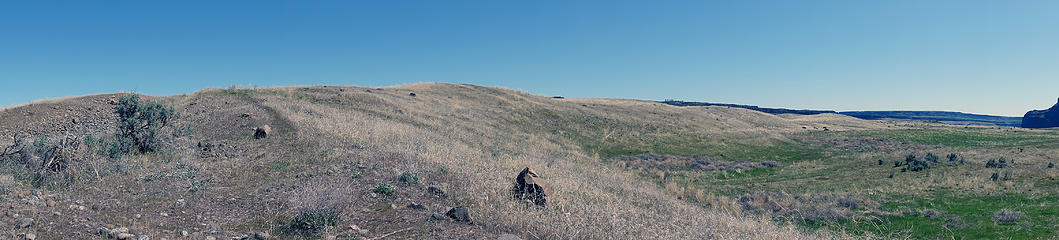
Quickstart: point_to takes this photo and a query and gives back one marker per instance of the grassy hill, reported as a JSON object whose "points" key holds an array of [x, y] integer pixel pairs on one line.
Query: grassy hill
{"points": [[356, 162]]}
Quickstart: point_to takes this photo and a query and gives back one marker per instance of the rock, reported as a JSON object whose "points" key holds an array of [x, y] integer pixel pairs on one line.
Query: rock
{"points": [[262, 236], [437, 192], [459, 214], [412, 94], [51, 203], [415, 206], [25, 222], [262, 131], [508, 236], [211, 238], [184, 233], [433, 217], [531, 187], [126, 236], [1042, 118], [356, 228], [29, 236]]}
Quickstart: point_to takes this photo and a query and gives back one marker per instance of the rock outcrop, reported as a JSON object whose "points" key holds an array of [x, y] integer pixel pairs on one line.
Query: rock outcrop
{"points": [[1042, 118], [531, 188], [262, 132]]}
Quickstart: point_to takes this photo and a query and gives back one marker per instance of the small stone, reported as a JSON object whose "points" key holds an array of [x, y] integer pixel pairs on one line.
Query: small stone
{"points": [[51, 203], [415, 206], [30, 236], [137, 216], [164, 214], [126, 236], [211, 238], [356, 228], [508, 236], [184, 233], [262, 236]]}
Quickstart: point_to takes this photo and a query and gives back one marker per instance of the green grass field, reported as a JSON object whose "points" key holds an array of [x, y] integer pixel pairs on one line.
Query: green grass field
{"points": [[953, 212]]}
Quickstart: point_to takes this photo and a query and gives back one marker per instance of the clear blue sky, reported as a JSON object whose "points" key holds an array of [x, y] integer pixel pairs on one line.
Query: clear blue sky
{"points": [[991, 57]]}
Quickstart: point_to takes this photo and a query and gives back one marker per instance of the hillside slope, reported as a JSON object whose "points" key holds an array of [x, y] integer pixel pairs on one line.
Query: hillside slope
{"points": [[332, 146]]}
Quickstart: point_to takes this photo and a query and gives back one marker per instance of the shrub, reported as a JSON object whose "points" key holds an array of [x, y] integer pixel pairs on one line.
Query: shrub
{"points": [[384, 189], [954, 159], [931, 158], [1051, 165], [1006, 217], [996, 163], [880, 162], [410, 178], [312, 221], [139, 124], [915, 164]]}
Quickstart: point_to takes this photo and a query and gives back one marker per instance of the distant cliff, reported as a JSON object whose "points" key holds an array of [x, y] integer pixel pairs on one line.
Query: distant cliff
{"points": [[755, 108], [946, 117], [1042, 118]]}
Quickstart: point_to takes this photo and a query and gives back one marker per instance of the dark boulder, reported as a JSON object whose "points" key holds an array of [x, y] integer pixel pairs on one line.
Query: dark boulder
{"points": [[531, 188], [459, 214], [1042, 118], [262, 132]]}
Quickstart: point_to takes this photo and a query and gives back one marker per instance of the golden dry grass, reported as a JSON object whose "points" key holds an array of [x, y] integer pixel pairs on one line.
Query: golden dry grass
{"points": [[480, 135]]}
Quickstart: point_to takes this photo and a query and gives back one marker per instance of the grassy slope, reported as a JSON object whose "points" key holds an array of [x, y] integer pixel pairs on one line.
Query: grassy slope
{"points": [[333, 145], [471, 140]]}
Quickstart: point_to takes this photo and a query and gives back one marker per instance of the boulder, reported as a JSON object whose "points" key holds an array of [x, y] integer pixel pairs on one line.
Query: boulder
{"points": [[531, 188], [459, 214], [262, 131], [1042, 118]]}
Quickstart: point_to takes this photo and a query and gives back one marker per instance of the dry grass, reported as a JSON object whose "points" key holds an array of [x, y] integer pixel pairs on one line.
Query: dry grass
{"points": [[468, 140], [476, 134]]}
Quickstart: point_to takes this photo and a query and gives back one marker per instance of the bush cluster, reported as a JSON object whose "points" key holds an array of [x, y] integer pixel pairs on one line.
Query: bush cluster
{"points": [[409, 178], [915, 163], [384, 189], [312, 221], [996, 163], [1006, 217]]}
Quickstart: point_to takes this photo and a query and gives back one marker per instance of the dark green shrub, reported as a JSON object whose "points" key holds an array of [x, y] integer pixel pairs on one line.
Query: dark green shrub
{"points": [[931, 158], [410, 178], [1051, 165], [915, 164], [139, 124], [384, 189], [311, 222], [996, 163]]}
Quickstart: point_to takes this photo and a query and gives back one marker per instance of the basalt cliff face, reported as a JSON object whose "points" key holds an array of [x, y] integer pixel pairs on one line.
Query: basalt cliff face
{"points": [[1042, 118]]}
